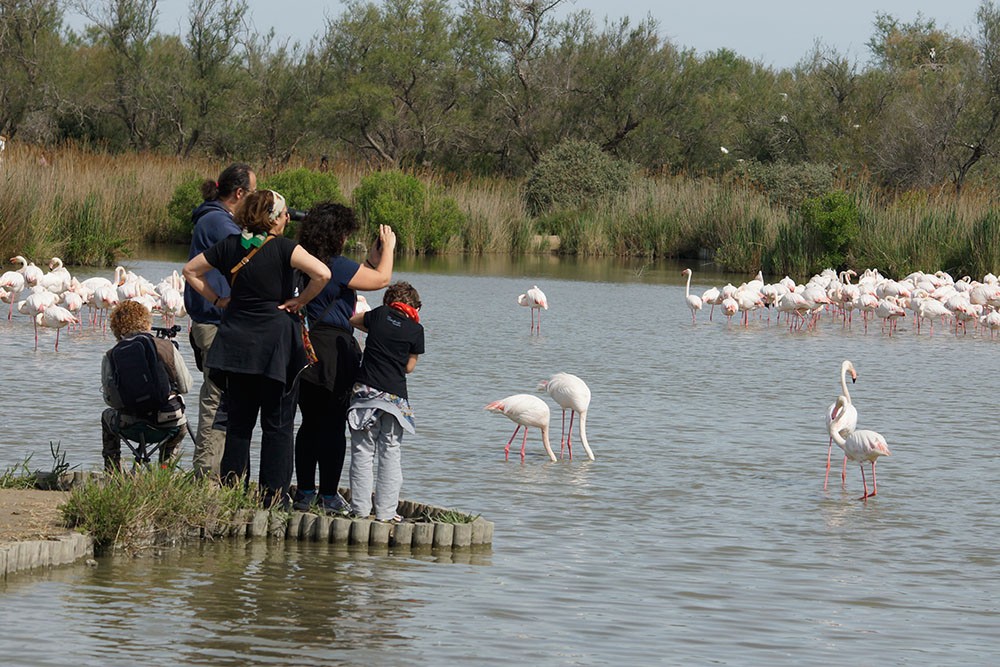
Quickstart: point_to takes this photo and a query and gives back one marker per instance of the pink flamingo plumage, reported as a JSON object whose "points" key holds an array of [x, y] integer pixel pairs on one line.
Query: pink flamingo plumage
{"points": [[861, 446], [534, 299], [524, 410]]}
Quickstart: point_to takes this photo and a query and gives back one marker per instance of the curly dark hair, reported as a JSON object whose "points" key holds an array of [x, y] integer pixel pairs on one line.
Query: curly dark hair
{"points": [[402, 292], [130, 317], [326, 228], [254, 212]]}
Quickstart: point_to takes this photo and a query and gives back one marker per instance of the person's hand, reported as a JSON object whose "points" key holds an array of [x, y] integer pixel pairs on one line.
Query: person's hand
{"points": [[387, 237], [293, 305], [386, 242]]}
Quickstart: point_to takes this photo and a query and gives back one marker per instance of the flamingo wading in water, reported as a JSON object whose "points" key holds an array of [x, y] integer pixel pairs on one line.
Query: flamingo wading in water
{"points": [[534, 299], [847, 416], [524, 410], [860, 446], [693, 301], [573, 394]]}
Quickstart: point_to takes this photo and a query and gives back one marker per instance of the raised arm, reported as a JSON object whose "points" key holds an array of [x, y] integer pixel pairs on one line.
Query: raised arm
{"points": [[376, 271]]}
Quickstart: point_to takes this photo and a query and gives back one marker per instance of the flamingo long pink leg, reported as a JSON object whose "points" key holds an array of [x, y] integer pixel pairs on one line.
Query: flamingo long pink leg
{"points": [[57, 340], [874, 481], [524, 443], [506, 450], [562, 431], [569, 435], [829, 453]]}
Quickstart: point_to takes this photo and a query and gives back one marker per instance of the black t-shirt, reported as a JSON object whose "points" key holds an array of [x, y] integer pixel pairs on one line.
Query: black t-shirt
{"points": [[392, 338], [255, 337]]}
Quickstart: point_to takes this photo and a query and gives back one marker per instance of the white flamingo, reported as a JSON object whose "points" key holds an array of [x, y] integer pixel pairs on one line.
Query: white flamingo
{"points": [[534, 299], [861, 446], [54, 317], [573, 394], [847, 417], [13, 283], [31, 272], [693, 301], [524, 410]]}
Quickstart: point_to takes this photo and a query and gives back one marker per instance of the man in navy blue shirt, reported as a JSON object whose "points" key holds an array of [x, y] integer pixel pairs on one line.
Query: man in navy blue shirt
{"points": [[213, 221]]}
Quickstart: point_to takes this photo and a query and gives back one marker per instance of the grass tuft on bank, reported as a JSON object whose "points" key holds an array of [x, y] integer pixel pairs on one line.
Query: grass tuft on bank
{"points": [[132, 510]]}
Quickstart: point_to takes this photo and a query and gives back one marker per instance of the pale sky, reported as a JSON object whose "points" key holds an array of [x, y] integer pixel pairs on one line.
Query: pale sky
{"points": [[776, 32]]}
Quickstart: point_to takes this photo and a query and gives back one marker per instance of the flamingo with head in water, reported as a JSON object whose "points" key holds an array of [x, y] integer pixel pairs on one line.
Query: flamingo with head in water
{"points": [[524, 410], [573, 394]]}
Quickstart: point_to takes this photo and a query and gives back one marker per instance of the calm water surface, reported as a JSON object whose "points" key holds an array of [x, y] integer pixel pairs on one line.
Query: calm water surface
{"points": [[701, 534]]}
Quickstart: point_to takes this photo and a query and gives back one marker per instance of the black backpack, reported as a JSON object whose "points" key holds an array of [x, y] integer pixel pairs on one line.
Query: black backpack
{"points": [[139, 375]]}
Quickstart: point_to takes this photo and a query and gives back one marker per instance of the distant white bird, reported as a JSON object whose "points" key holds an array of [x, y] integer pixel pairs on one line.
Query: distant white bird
{"points": [[524, 410], [693, 301], [573, 394], [725, 151], [534, 299]]}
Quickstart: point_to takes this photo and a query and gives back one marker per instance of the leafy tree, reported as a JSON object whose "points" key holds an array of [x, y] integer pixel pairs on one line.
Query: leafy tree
{"points": [[28, 45]]}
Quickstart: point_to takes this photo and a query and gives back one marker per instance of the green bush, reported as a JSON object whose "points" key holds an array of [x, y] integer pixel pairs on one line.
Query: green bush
{"points": [[424, 221], [186, 197], [302, 188], [575, 175], [832, 223], [789, 185]]}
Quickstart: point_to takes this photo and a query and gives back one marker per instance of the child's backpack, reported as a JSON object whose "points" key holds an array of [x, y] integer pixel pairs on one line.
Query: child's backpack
{"points": [[139, 375]]}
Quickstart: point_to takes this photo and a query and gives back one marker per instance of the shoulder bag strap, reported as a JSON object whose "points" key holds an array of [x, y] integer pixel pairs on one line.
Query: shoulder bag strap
{"points": [[250, 254]]}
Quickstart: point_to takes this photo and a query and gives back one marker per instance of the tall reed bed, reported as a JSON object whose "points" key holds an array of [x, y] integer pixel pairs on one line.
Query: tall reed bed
{"points": [[85, 207], [92, 208]]}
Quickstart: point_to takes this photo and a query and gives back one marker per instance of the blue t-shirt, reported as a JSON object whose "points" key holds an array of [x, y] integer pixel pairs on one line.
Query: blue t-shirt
{"points": [[337, 301]]}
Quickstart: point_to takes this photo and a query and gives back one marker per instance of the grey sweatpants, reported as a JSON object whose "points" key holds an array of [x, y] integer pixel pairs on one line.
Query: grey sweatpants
{"points": [[385, 437]]}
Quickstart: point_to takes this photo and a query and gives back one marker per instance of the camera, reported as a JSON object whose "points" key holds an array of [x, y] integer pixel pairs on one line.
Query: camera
{"points": [[296, 215], [165, 332]]}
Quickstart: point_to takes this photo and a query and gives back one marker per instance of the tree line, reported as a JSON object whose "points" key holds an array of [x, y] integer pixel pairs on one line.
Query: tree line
{"points": [[489, 86]]}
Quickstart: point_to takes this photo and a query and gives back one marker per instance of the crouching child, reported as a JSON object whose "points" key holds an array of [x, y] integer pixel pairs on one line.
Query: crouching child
{"points": [[380, 409], [142, 379]]}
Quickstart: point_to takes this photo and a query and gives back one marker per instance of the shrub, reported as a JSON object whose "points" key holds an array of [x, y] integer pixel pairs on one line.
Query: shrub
{"points": [[186, 197], [423, 220], [302, 188], [575, 175], [831, 221], [789, 185]]}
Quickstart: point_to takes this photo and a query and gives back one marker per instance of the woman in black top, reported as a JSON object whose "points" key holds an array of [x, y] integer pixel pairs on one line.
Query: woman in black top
{"points": [[257, 352]]}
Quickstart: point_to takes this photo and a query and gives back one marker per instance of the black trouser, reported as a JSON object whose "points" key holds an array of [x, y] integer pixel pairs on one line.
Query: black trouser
{"points": [[321, 438], [246, 396]]}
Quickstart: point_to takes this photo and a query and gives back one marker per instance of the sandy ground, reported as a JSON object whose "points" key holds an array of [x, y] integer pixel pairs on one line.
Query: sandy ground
{"points": [[29, 514]]}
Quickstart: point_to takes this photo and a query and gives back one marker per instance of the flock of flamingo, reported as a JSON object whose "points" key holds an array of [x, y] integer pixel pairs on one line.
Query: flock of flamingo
{"points": [[55, 298], [567, 390], [928, 297]]}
